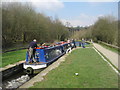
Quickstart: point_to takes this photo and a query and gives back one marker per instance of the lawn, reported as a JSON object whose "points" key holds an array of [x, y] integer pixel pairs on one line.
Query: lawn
{"points": [[13, 57], [89, 45], [93, 71], [0, 59]]}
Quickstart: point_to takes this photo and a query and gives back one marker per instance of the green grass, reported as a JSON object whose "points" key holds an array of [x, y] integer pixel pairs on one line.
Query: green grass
{"points": [[108, 60], [110, 48], [13, 57], [89, 45], [93, 71], [0, 59]]}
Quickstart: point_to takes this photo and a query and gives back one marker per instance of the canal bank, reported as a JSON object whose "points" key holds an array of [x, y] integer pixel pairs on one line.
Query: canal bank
{"points": [[83, 68], [39, 77]]}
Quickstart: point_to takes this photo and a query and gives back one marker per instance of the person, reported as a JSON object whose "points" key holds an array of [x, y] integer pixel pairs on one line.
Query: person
{"points": [[83, 42], [73, 43], [91, 41], [68, 41], [44, 45], [32, 50]]}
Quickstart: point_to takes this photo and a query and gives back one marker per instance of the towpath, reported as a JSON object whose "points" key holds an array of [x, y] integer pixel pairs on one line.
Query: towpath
{"points": [[112, 56]]}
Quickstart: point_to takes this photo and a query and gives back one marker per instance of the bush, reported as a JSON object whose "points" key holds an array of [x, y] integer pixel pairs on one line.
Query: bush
{"points": [[20, 22]]}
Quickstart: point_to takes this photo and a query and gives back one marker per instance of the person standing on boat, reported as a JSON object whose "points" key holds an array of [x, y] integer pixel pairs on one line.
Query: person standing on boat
{"points": [[32, 50]]}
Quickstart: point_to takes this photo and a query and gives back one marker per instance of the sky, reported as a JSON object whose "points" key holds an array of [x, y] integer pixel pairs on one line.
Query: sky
{"points": [[76, 12]]}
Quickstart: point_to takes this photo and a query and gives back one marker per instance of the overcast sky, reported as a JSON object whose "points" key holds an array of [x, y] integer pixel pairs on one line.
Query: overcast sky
{"points": [[77, 12]]}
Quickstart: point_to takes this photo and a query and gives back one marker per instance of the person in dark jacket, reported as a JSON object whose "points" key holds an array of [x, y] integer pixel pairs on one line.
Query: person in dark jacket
{"points": [[73, 41], [32, 50]]}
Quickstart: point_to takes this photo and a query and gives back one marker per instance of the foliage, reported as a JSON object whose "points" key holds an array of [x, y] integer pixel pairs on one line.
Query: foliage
{"points": [[20, 22], [83, 33], [105, 29]]}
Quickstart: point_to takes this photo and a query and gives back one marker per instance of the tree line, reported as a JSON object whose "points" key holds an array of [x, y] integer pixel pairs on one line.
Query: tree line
{"points": [[21, 23], [105, 29]]}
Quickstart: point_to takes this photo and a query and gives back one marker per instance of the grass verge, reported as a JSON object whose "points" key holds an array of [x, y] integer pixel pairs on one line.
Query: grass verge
{"points": [[13, 57], [110, 48], [93, 72], [108, 60], [89, 45]]}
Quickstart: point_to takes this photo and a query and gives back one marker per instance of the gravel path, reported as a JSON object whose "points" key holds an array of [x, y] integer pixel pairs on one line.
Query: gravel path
{"points": [[112, 56]]}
